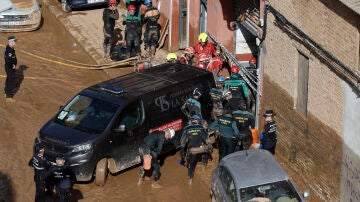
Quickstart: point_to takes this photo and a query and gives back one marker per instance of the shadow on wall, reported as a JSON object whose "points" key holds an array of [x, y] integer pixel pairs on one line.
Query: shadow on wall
{"points": [[7, 193]]}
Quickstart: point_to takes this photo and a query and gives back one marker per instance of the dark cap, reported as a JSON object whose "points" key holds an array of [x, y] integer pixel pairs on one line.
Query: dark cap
{"points": [[12, 38], [59, 156], [38, 148], [269, 113]]}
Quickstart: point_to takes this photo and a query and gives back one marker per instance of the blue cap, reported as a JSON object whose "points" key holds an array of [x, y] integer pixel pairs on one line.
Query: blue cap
{"points": [[146, 2], [220, 79], [196, 117]]}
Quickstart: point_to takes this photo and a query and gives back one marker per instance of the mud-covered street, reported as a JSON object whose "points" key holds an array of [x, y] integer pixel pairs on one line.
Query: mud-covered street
{"points": [[44, 85]]}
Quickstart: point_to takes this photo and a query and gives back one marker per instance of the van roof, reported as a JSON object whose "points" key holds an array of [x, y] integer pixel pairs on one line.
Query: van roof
{"points": [[254, 167], [149, 80]]}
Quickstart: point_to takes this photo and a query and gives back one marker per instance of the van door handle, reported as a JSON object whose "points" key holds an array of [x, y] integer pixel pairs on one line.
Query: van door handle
{"points": [[110, 141]]}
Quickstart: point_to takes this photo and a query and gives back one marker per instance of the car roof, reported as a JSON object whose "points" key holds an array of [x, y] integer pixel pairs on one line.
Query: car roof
{"points": [[254, 167], [149, 80]]}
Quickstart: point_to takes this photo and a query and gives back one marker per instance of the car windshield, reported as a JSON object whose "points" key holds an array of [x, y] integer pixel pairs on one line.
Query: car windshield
{"points": [[281, 191], [86, 114]]}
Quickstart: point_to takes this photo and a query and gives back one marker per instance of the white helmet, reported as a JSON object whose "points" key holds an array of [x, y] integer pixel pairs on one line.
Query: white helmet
{"points": [[172, 132]]}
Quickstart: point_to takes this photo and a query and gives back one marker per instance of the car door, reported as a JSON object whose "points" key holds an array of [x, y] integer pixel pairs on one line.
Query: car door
{"points": [[126, 143]]}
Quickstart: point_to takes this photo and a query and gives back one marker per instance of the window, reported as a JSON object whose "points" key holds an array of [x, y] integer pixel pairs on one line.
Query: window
{"points": [[132, 115], [302, 87], [228, 183]]}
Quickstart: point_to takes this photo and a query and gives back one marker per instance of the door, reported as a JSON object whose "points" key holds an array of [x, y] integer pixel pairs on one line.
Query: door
{"points": [[126, 143], [183, 23], [203, 15]]}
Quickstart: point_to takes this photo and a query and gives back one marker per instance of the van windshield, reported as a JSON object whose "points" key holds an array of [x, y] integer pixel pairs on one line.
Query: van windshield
{"points": [[276, 191], [86, 114]]}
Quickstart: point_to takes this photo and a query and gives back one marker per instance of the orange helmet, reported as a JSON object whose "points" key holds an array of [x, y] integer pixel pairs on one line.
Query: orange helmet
{"points": [[203, 57], [113, 2], [234, 69], [131, 7], [252, 60], [189, 50]]}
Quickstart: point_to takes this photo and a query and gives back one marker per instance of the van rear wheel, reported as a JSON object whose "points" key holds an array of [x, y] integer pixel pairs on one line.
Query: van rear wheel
{"points": [[101, 172]]}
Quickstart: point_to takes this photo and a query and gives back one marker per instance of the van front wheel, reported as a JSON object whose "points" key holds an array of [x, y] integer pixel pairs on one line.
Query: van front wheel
{"points": [[101, 172]]}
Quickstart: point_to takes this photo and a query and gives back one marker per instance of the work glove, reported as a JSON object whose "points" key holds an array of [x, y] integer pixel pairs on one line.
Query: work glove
{"points": [[181, 162], [261, 136]]}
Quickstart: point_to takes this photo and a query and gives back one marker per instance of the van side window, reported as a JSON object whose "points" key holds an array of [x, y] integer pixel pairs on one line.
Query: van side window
{"points": [[132, 115], [228, 183]]}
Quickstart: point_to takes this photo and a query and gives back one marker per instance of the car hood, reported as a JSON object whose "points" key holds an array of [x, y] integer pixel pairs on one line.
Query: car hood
{"points": [[5, 5], [22, 8], [62, 135]]}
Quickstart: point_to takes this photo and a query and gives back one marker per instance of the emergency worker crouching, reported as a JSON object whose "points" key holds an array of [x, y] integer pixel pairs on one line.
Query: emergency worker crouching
{"points": [[41, 166], [229, 133], [244, 121], [238, 88], [132, 32], [152, 146], [204, 46], [152, 32], [63, 178], [194, 138], [188, 56]]}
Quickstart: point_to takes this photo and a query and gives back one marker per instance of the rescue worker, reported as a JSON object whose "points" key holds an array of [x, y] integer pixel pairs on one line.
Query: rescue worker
{"points": [[244, 121], [238, 88], [203, 61], [63, 178], [193, 136], [10, 68], [153, 144], [229, 133], [152, 32], [132, 32], [204, 46], [215, 65], [217, 97], [268, 136], [252, 62], [188, 56], [171, 58], [137, 4], [41, 166], [110, 14], [192, 106]]}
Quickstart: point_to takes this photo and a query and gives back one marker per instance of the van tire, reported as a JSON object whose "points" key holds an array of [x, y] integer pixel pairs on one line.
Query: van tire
{"points": [[101, 172], [65, 6]]}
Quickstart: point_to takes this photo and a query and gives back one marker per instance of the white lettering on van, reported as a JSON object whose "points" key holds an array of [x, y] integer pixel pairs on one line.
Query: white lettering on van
{"points": [[162, 103]]}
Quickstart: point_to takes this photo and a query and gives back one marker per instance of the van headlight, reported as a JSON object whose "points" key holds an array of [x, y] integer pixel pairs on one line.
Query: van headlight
{"points": [[82, 148]]}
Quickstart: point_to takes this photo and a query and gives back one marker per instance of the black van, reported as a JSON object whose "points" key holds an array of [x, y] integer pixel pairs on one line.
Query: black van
{"points": [[100, 129]]}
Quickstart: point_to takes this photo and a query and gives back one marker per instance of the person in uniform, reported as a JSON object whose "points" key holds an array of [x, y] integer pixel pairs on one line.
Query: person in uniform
{"points": [[188, 56], [132, 32], [10, 67], [153, 144], [41, 166], [110, 15], [217, 96], [192, 106], [229, 132], [194, 136], [152, 32], [244, 121], [63, 178], [268, 136]]}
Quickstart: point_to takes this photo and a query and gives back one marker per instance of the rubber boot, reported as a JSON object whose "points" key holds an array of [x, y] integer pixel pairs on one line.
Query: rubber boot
{"points": [[156, 185], [190, 181], [140, 181]]}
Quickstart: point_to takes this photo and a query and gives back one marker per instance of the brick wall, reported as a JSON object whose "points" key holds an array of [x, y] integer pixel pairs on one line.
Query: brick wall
{"points": [[312, 145]]}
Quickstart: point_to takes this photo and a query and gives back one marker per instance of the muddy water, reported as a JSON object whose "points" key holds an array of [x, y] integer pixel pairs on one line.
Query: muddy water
{"points": [[44, 87]]}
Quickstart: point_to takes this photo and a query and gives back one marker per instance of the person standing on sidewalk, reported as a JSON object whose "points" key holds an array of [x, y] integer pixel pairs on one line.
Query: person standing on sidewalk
{"points": [[10, 67], [110, 15], [152, 32]]}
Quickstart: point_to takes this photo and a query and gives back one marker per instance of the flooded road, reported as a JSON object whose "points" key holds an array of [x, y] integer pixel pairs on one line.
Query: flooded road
{"points": [[45, 83]]}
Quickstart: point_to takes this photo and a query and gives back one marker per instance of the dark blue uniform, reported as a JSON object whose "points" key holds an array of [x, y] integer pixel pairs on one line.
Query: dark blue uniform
{"points": [[244, 120], [228, 133], [191, 107], [63, 179], [10, 63], [268, 137], [41, 166], [194, 135], [217, 97], [153, 144]]}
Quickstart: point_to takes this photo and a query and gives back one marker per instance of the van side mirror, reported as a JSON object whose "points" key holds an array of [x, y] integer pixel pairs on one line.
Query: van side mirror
{"points": [[120, 129], [306, 193]]}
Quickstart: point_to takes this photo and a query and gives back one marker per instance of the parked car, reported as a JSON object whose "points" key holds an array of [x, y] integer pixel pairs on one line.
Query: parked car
{"points": [[22, 16], [68, 5], [253, 175], [102, 127]]}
